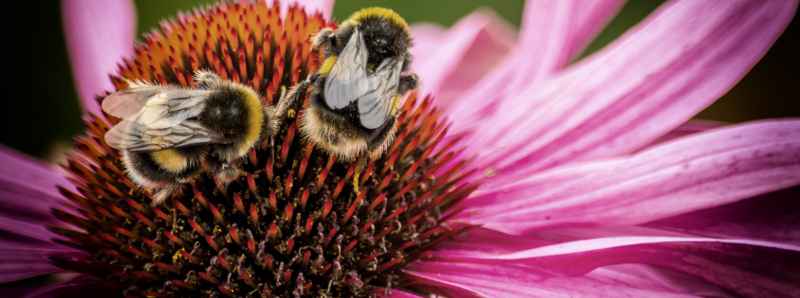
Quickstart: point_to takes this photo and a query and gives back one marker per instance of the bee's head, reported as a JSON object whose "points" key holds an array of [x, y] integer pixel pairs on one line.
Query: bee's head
{"points": [[386, 34]]}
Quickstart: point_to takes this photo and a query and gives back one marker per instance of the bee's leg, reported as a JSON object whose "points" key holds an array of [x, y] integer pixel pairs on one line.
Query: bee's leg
{"points": [[291, 98], [360, 165], [323, 40], [407, 82], [283, 92], [162, 194], [272, 122], [174, 220], [223, 172], [226, 173], [206, 79]]}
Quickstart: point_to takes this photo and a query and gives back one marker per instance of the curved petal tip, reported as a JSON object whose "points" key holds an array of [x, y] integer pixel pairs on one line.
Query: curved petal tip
{"points": [[325, 7]]}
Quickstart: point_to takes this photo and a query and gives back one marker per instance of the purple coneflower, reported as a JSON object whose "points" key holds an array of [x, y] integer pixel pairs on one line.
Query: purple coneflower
{"points": [[519, 176]]}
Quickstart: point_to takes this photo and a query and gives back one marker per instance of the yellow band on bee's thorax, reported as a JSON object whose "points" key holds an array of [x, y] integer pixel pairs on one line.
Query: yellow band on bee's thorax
{"points": [[380, 12]]}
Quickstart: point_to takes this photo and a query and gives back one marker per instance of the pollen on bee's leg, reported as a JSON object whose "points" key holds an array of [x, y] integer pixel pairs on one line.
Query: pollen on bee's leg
{"points": [[358, 169], [286, 222]]}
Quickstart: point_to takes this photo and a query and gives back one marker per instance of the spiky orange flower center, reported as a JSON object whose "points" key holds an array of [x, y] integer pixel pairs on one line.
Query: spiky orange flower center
{"points": [[291, 223]]}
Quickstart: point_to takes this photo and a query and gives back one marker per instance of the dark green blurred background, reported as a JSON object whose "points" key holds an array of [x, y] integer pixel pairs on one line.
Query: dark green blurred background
{"points": [[47, 113]]}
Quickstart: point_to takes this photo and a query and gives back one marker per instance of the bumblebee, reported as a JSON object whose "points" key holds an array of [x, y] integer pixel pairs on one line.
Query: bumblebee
{"points": [[169, 134], [356, 91]]}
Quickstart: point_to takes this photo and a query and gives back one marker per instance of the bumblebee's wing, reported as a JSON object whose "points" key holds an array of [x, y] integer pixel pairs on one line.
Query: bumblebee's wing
{"points": [[133, 136], [126, 103], [164, 121], [171, 107], [374, 106], [347, 80]]}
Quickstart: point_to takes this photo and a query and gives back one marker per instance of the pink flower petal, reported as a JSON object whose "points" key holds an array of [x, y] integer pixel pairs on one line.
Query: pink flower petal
{"points": [[552, 33], [482, 244], [449, 63], [652, 277], [65, 285], [427, 37], [28, 187], [23, 170], [325, 7], [21, 231], [17, 264], [711, 262], [25, 203], [478, 242], [27, 194], [588, 245], [491, 280], [12, 271], [689, 128], [654, 78], [697, 172], [98, 35], [771, 217]]}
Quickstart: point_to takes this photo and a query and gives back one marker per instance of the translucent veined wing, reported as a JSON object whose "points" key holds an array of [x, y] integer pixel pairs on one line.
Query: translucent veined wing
{"points": [[126, 103], [347, 80], [374, 106], [132, 136], [162, 120]]}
